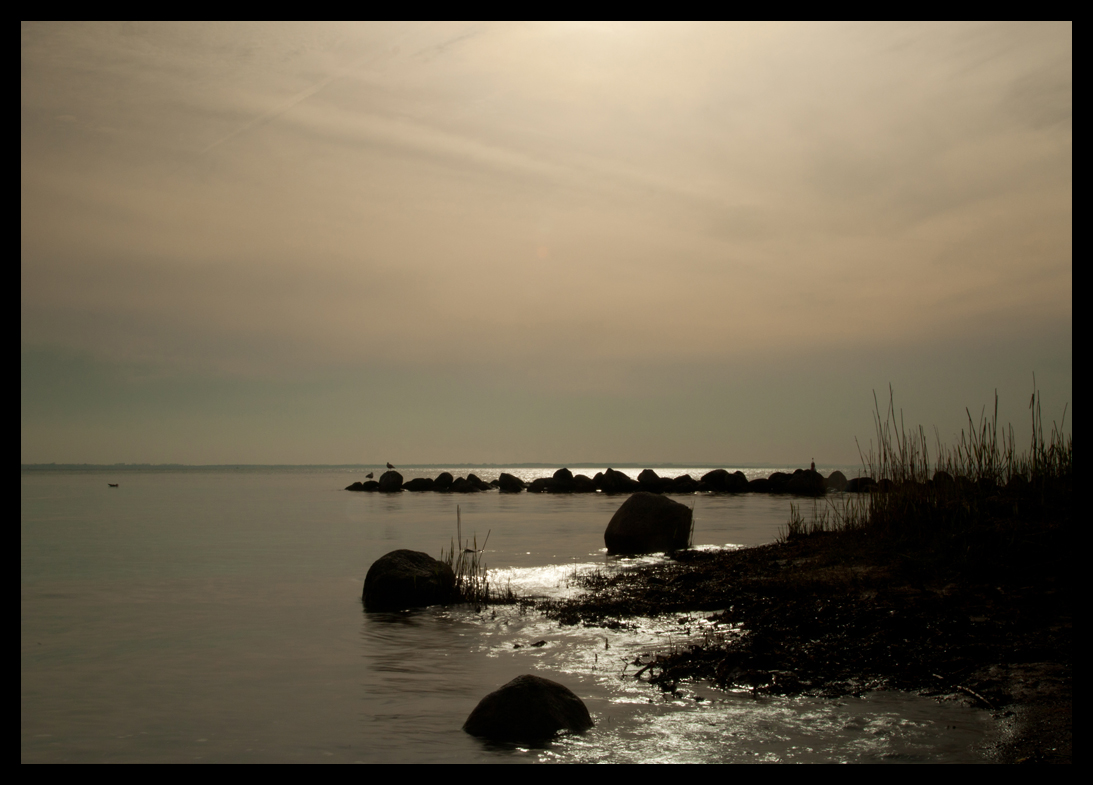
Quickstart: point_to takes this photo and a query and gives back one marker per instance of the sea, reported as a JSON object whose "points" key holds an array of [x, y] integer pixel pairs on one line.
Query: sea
{"points": [[214, 615]]}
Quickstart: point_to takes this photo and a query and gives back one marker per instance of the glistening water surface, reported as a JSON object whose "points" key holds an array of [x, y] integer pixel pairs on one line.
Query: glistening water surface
{"points": [[216, 616]]}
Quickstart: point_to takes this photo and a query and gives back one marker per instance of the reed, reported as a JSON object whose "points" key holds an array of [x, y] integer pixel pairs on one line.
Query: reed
{"points": [[472, 584], [953, 500]]}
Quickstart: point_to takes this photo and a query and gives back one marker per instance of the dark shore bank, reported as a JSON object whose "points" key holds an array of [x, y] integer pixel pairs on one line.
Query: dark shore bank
{"points": [[984, 616]]}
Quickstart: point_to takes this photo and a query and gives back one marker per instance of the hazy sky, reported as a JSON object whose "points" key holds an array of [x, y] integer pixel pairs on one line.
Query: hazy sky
{"points": [[354, 243]]}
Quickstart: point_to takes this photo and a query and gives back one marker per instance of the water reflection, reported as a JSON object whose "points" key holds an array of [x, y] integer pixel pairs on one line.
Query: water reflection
{"points": [[434, 665]]}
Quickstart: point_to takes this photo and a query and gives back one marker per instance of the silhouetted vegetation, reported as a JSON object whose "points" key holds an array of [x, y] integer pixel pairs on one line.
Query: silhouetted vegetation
{"points": [[952, 575], [978, 504], [472, 583]]}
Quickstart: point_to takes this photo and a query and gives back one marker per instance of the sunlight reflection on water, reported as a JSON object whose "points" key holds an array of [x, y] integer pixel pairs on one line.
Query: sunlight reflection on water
{"points": [[217, 617]]}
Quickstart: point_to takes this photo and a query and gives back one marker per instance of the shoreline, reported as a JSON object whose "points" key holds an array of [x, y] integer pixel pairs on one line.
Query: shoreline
{"points": [[838, 613]]}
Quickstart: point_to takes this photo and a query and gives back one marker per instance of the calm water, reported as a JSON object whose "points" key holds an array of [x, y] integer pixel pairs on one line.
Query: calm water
{"points": [[216, 616]]}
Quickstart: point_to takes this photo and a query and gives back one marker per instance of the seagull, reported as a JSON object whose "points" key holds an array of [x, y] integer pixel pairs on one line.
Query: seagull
{"points": [[112, 484], [368, 476], [389, 466]]}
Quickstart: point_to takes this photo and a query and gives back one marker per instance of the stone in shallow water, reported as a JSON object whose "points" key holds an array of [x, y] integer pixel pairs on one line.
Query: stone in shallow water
{"points": [[647, 523], [407, 579], [528, 708]]}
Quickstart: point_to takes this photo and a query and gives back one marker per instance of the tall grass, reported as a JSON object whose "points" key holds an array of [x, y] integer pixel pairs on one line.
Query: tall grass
{"points": [[472, 584], [948, 499]]}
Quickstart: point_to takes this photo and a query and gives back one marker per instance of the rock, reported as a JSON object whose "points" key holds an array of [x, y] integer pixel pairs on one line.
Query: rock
{"points": [[617, 482], [582, 483], [647, 523], [528, 708], [390, 482], [443, 481], [759, 485], [541, 485], [720, 481], [561, 482], [563, 475], [407, 579], [943, 479], [836, 481], [370, 485], [717, 480], [806, 482], [418, 484], [685, 483], [463, 485], [509, 483], [778, 482], [860, 484], [478, 482]]}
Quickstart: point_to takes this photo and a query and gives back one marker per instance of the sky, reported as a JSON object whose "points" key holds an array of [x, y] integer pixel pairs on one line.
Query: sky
{"points": [[561, 242]]}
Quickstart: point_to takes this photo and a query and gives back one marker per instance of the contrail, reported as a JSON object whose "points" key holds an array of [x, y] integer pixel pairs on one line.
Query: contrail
{"points": [[305, 94]]}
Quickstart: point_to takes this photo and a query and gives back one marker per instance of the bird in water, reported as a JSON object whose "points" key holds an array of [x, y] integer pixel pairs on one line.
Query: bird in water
{"points": [[112, 484], [368, 476], [389, 466]]}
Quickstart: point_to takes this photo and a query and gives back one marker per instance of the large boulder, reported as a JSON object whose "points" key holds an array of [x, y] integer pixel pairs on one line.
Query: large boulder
{"points": [[390, 482], [528, 708], [407, 579], [647, 523]]}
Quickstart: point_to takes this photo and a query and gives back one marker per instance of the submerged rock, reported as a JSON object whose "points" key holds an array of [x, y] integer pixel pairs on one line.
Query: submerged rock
{"points": [[407, 579], [528, 708], [647, 523]]}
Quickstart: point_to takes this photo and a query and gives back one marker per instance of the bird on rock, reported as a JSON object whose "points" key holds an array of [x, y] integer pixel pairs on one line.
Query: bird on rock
{"points": [[389, 466], [368, 476]]}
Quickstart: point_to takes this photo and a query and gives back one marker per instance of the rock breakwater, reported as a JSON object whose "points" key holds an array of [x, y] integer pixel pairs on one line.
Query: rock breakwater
{"points": [[801, 482]]}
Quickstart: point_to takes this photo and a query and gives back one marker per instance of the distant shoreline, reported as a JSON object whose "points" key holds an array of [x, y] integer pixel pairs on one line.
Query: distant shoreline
{"points": [[48, 467]]}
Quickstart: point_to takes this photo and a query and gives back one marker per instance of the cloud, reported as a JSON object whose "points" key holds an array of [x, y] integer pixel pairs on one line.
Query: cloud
{"points": [[558, 204]]}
